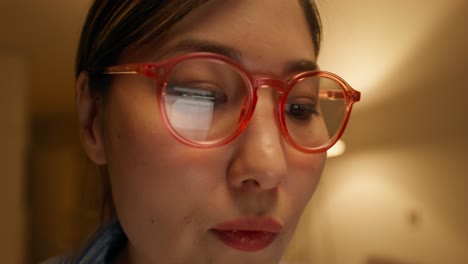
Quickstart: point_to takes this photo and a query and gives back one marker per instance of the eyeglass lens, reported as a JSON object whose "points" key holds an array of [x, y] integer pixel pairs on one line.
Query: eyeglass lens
{"points": [[204, 101]]}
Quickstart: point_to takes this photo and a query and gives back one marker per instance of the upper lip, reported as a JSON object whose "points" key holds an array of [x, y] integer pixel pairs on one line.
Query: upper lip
{"points": [[263, 224]]}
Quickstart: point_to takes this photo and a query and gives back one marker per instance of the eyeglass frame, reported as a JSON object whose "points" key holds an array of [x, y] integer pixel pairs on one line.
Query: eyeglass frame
{"points": [[160, 71]]}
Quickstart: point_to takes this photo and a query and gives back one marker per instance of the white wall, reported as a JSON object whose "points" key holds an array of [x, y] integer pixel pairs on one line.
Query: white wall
{"points": [[13, 84]]}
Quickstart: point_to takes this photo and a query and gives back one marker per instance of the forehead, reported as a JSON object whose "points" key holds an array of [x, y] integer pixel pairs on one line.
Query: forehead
{"points": [[270, 32]]}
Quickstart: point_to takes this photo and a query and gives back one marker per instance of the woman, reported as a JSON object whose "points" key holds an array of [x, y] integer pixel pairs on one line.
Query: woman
{"points": [[212, 122]]}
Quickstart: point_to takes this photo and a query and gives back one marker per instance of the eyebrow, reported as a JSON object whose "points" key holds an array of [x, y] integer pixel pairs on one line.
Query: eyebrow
{"points": [[301, 66], [192, 45]]}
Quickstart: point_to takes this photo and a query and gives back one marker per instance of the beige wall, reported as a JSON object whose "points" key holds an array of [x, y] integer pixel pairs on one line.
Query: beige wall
{"points": [[63, 206], [400, 203], [49, 200], [13, 135]]}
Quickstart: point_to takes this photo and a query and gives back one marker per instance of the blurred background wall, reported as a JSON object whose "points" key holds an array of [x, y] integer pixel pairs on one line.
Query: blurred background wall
{"points": [[49, 202], [13, 117], [397, 195]]}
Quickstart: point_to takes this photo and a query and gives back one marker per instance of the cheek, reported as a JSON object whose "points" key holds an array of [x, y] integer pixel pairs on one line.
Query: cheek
{"points": [[152, 175], [149, 170], [158, 182], [305, 171]]}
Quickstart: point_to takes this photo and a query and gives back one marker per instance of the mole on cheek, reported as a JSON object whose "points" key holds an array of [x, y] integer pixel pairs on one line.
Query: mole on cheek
{"points": [[188, 219]]}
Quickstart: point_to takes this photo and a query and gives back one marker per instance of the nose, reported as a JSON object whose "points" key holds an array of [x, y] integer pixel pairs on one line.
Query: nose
{"points": [[259, 161]]}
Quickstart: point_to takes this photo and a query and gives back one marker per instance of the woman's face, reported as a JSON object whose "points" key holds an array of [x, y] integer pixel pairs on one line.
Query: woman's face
{"points": [[239, 203]]}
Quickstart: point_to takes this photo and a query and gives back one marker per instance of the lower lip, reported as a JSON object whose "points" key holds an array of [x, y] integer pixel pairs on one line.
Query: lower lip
{"points": [[249, 241]]}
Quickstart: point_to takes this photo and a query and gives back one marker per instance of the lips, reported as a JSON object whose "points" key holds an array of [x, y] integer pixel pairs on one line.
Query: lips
{"points": [[248, 234]]}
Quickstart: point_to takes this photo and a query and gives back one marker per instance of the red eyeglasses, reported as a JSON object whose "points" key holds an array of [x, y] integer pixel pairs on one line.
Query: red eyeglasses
{"points": [[206, 100]]}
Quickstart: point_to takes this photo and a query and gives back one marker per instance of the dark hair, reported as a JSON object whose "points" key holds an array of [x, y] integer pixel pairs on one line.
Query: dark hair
{"points": [[113, 27]]}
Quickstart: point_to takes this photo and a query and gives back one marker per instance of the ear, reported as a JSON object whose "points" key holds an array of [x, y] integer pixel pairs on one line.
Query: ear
{"points": [[90, 120]]}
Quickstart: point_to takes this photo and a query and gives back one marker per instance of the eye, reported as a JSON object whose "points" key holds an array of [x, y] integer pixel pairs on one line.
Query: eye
{"points": [[301, 109]]}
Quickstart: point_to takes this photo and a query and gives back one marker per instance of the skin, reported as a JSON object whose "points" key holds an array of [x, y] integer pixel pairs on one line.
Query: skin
{"points": [[169, 195]]}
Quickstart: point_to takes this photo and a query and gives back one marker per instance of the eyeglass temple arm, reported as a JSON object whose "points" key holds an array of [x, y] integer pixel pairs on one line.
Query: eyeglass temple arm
{"points": [[120, 69], [147, 70], [336, 95]]}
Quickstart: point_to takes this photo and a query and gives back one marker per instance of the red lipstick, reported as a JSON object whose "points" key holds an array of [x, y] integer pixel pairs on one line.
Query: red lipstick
{"points": [[248, 234]]}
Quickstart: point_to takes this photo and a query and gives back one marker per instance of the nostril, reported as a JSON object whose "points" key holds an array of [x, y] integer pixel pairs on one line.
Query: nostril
{"points": [[250, 183]]}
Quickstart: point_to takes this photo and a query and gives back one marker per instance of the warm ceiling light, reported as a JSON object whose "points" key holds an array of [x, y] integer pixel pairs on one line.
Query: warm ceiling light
{"points": [[338, 149]]}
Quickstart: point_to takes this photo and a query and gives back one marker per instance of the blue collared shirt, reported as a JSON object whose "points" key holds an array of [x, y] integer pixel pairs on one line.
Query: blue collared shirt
{"points": [[102, 249]]}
